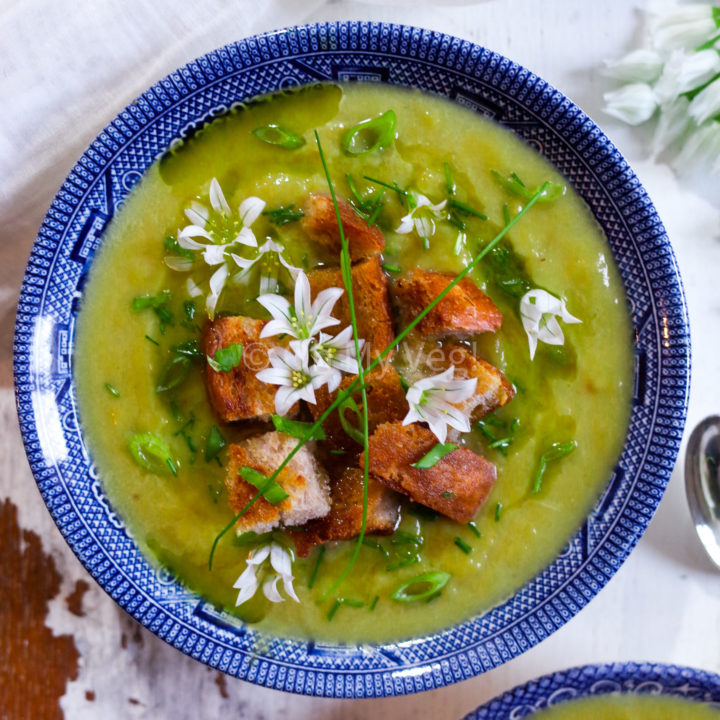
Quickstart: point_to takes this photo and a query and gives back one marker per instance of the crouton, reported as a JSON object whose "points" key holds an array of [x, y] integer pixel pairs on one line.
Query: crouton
{"points": [[465, 310], [304, 479], [372, 302], [456, 486], [238, 394], [418, 359], [345, 517], [320, 223], [386, 403]]}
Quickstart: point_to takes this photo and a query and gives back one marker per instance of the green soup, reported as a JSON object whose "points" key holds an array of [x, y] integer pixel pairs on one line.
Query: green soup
{"points": [[580, 392], [630, 707]]}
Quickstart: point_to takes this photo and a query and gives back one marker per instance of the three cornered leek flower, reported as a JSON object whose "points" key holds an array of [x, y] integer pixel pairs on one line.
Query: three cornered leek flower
{"points": [[292, 371], [281, 565], [432, 401], [270, 261], [688, 27], [421, 217], [336, 354], [539, 311], [222, 229]]}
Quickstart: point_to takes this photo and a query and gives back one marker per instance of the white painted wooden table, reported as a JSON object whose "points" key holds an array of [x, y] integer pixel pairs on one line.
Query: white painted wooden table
{"points": [[65, 70]]}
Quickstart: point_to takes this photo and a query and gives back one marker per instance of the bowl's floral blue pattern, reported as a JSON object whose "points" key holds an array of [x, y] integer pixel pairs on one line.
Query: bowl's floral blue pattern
{"points": [[176, 107], [593, 680]]}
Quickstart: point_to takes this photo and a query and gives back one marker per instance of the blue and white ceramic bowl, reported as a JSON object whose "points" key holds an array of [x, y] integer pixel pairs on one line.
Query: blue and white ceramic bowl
{"points": [[597, 680], [173, 109]]}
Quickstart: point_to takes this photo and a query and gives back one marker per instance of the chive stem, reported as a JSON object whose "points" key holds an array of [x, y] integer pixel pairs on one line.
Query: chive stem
{"points": [[374, 602], [394, 187], [467, 549], [473, 526], [154, 342], [318, 560], [498, 511], [113, 391]]}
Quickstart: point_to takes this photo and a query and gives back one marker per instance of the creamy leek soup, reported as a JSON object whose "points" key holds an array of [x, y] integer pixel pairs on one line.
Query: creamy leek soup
{"points": [[630, 707], [141, 374]]}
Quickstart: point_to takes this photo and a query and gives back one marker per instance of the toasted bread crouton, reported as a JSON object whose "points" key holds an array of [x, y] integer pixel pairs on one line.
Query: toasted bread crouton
{"points": [[320, 223], [386, 403], [304, 479], [456, 486], [238, 394], [372, 302], [418, 359], [345, 517], [464, 311]]}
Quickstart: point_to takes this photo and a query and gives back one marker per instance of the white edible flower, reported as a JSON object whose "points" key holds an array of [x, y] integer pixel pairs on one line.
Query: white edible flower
{"points": [[337, 354], [684, 72], [305, 319], [702, 147], [432, 401], [633, 104], [291, 370], [706, 103], [673, 122], [280, 561], [686, 27], [539, 311], [421, 217], [638, 66], [269, 257]]}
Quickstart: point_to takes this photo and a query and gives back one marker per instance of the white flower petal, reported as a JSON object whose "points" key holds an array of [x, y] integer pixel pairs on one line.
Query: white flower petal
{"points": [[217, 198], [702, 147], [438, 427], [185, 236], [424, 226], [179, 264], [633, 104], [638, 66], [217, 281], [280, 559], [271, 591], [246, 237], [406, 225], [192, 288], [214, 254], [197, 214], [672, 123], [684, 72], [688, 26], [250, 210], [706, 104], [242, 262], [289, 589], [285, 398], [259, 555]]}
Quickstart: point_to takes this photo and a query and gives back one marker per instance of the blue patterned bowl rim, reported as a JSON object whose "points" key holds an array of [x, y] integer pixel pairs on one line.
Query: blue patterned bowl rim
{"points": [[637, 678], [173, 109]]}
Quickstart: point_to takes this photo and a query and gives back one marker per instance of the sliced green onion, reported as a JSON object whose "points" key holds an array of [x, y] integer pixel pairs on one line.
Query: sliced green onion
{"points": [[284, 215], [270, 490], [173, 374], [473, 526], [433, 582], [352, 431], [467, 549], [226, 358], [296, 428], [276, 135], [392, 268], [190, 349], [436, 454], [555, 452], [214, 444], [516, 186], [147, 448], [370, 135], [112, 390], [318, 560]]}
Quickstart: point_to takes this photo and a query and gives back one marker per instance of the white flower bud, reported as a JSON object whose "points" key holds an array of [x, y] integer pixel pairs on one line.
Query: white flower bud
{"points": [[638, 66], [633, 104]]}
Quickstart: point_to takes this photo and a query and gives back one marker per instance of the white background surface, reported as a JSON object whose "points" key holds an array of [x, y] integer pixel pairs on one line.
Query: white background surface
{"points": [[67, 69]]}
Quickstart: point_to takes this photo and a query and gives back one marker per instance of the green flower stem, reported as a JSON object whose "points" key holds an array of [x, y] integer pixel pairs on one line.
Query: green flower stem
{"points": [[403, 334]]}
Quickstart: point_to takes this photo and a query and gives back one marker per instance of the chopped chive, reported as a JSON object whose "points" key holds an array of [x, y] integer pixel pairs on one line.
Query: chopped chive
{"points": [[453, 219], [467, 549], [333, 610], [462, 207], [362, 203], [284, 215], [498, 511], [370, 135], [555, 452], [405, 562], [154, 342], [374, 603], [271, 491], [506, 213], [352, 603], [189, 307], [394, 187], [276, 135], [214, 444], [174, 373], [112, 390], [171, 465], [175, 410], [400, 537], [515, 177], [433, 582], [449, 184], [376, 546], [550, 190], [473, 526], [337, 452], [377, 208], [316, 567], [391, 268]]}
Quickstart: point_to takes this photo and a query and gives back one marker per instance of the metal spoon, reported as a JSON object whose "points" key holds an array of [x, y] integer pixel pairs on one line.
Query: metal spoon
{"points": [[702, 484]]}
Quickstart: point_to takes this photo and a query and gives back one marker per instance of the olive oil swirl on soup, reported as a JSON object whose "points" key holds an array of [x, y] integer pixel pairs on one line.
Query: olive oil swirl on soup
{"points": [[197, 372]]}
